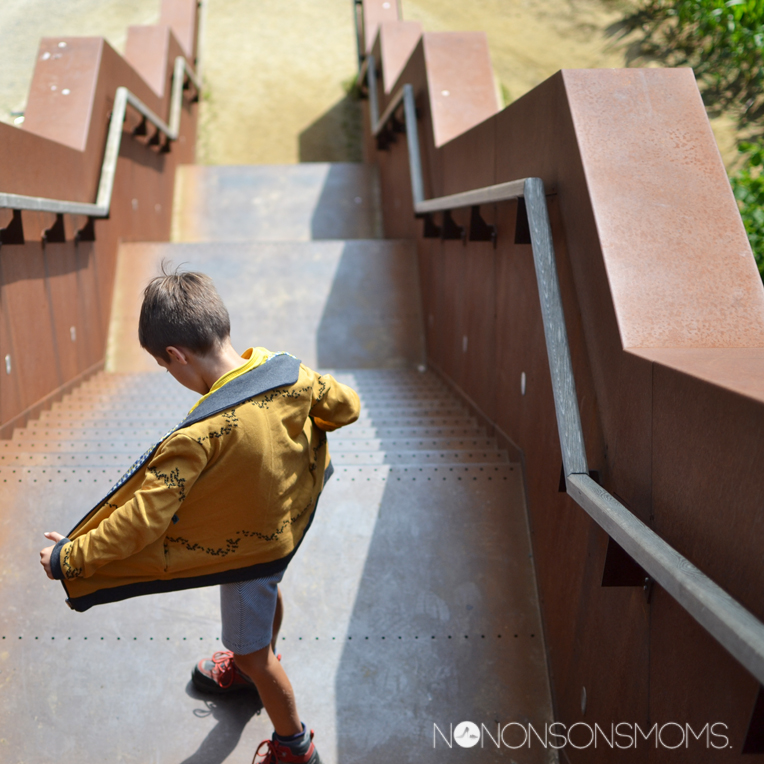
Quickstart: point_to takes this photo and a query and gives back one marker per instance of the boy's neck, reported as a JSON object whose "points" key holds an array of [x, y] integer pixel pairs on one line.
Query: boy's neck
{"points": [[219, 361]]}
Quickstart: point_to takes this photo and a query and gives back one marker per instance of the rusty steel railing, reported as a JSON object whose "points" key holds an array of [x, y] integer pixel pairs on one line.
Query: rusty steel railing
{"points": [[734, 627], [183, 77]]}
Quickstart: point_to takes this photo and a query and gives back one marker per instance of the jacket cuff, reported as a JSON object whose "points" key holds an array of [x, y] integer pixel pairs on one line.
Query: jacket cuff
{"points": [[55, 559]]}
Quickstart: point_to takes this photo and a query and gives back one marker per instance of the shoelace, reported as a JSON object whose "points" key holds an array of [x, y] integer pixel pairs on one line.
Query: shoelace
{"points": [[270, 756], [226, 668], [223, 660]]}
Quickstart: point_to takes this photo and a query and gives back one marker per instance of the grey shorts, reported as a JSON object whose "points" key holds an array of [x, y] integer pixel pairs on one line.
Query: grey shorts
{"points": [[247, 609]]}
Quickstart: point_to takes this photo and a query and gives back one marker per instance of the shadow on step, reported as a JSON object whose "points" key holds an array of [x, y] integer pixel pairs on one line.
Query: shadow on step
{"points": [[336, 136], [371, 316]]}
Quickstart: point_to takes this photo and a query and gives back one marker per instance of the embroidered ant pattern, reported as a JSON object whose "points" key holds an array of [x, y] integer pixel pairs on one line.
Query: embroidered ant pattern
{"points": [[321, 389], [66, 566], [231, 423], [232, 545], [264, 401], [171, 479]]}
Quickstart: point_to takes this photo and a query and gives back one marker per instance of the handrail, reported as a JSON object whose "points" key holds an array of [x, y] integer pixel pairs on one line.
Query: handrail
{"points": [[734, 627], [123, 97]]}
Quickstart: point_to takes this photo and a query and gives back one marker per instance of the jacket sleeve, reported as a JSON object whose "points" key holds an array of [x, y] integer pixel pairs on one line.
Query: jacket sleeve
{"points": [[333, 404], [169, 476]]}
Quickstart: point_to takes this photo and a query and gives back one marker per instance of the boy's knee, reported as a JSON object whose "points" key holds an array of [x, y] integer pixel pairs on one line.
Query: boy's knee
{"points": [[257, 662]]}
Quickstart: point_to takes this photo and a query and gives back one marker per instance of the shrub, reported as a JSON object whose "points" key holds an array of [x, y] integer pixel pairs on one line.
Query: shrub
{"points": [[748, 186], [723, 40]]}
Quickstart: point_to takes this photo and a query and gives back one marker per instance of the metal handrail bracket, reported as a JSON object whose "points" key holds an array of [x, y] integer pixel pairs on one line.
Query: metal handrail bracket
{"points": [[734, 627], [123, 97]]}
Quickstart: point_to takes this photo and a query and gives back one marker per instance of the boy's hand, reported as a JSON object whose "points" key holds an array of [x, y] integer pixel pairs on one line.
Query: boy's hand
{"points": [[45, 553]]}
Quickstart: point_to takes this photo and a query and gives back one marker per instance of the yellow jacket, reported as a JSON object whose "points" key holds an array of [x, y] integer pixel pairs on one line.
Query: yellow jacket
{"points": [[227, 496]]}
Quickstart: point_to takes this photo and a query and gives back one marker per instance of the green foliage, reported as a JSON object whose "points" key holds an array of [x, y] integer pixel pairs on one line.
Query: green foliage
{"points": [[352, 88], [723, 40], [506, 96], [748, 186]]}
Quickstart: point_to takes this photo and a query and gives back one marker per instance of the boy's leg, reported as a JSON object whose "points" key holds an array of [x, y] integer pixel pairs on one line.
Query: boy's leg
{"points": [[251, 613], [275, 689]]}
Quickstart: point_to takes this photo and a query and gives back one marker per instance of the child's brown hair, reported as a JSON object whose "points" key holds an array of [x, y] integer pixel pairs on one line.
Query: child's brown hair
{"points": [[182, 309]]}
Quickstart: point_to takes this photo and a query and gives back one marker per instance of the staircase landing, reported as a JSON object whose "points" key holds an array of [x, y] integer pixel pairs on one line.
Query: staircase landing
{"points": [[412, 602]]}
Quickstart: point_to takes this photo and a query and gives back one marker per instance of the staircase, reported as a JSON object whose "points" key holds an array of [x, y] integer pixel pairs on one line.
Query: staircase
{"points": [[412, 601]]}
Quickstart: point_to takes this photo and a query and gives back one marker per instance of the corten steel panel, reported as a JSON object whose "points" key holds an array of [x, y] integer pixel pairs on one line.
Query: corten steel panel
{"points": [[61, 93], [478, 323], [707, 448], [146, 50], [61, 266], [22, 270], [472, 271], [182, 17], [645, 141], [536, 137], [469, 160], [736, 370], [393, 47], [398, 219], [458, 69], [44, 293], [395, 178], [595, 638], [11, 399], [720, 692], [375, 12]]}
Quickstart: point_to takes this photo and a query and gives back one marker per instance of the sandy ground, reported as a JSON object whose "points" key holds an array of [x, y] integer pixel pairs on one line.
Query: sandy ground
{"points": [[276, 72]]}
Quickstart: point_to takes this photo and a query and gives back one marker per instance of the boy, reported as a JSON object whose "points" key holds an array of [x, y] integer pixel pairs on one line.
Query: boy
{"points": [[225, 498]]}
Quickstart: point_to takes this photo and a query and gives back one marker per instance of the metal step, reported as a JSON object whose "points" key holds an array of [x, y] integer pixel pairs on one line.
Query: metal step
{"points": [[416, 584], [117, 417], [121, 460], [399, 458], [104, 432], [298, 202], [355, 305]]}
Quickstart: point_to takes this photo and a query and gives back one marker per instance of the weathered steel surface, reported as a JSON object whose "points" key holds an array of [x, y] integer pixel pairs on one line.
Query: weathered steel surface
{"points": [[46, 291], [415, 582], [604, 141]]}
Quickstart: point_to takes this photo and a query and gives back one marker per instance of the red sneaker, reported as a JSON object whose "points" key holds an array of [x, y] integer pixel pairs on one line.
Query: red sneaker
{"points": [[220, 675], [277, 752]]}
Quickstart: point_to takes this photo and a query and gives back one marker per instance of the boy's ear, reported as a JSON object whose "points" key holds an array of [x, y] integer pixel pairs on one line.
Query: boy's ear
{"points": [[177, 354]]}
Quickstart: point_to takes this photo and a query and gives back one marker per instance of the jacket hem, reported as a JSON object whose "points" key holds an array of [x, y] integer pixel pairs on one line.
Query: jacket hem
{"points": [[160, 586]]}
